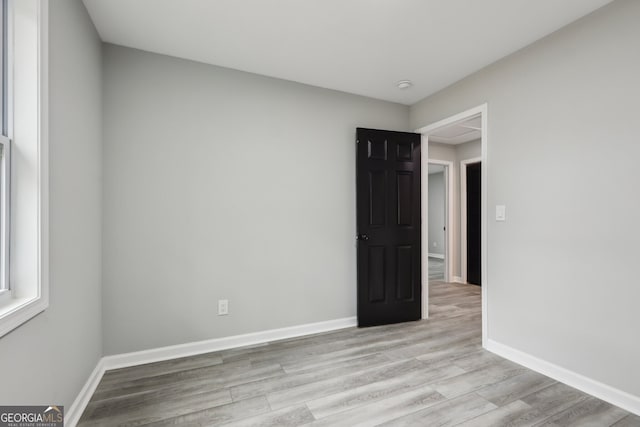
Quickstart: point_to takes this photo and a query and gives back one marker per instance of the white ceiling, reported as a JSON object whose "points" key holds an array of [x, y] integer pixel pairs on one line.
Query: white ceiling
{"points": [[356, 46], [458, 133]]}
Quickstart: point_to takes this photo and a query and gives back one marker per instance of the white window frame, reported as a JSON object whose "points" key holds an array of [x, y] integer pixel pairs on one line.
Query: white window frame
{"points": [[5, 218], [25, 277], [5, 154]]}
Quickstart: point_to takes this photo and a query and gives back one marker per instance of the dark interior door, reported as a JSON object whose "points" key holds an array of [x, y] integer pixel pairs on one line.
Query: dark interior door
{"points": [[388, 222], [474, 245]]}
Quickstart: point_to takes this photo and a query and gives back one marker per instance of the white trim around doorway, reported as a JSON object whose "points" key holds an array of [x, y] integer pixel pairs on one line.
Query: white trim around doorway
{"points": [[482, 112]]}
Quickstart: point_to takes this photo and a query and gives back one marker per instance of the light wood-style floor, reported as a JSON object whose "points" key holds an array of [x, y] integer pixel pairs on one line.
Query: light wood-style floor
{"points": [[426, 373], [436, 269]]}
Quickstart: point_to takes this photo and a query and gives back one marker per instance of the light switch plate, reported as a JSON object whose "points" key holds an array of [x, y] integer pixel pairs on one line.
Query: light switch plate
{"points": [[223, 307], [501, 213]]}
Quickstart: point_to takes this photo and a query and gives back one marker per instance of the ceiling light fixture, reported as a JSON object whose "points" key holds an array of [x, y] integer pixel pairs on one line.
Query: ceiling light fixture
{"points": [[404, 84]]}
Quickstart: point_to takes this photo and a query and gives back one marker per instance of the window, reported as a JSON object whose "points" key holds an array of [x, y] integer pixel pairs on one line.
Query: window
{"points": [[23, 161]]}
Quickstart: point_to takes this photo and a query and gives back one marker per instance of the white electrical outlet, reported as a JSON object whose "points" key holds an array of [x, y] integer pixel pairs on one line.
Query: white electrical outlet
{"points": [[223, 307]]}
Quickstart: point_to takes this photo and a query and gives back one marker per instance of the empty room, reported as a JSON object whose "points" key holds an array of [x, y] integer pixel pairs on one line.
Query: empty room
{"points": [[325, 213]]}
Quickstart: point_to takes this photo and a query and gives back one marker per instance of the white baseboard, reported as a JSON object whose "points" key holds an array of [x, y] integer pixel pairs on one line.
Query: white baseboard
{"points": [[595, 388], [125, 360], [199, 347], [72, 416], [457, 279], [438, 256]]}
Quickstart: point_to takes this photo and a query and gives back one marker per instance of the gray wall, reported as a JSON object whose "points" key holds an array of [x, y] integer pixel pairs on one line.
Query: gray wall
{"points": [[562, 267], [468, 150], [223, 184], [48, 359], [455, 154], [436, 213]]}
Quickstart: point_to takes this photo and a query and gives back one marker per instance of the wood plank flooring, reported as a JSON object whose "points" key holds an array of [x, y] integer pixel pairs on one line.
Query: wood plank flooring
{"points": [[436, 269], [426, 373]]}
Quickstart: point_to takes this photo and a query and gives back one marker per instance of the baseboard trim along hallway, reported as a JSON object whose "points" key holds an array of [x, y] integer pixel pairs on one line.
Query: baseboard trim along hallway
{"points": [[590, 386], [192, 349]]}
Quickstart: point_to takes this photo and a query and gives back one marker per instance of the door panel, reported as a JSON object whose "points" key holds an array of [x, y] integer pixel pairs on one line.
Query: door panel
{"points": [[376, 274], [404, 151], [388, 221], [404, 273], [377, 149], [405, 198], [377, 198]]}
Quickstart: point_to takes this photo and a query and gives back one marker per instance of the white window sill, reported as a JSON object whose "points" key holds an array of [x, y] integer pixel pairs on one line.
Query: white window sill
{"points": [[17, 311]]}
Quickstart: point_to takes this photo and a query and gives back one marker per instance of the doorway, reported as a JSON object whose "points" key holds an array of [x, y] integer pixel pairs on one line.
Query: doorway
{"points": [[470, 220], [446, 130], [440, 182], [437, 222]]}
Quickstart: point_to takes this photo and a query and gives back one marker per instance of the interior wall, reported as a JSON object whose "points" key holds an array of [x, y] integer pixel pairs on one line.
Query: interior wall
{"points": [[220, 184], [468, 150], [554, 291], [48, 359], [436, 213], [455, 154]]}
